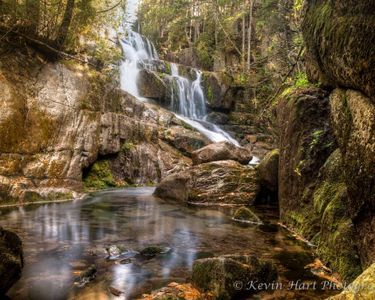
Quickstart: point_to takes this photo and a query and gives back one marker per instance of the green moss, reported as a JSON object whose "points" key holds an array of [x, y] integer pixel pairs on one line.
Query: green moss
{"points": [[210, 94], [127, 146], [100, 176]]}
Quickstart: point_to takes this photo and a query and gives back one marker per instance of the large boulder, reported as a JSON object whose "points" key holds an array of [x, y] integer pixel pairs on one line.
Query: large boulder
{"points": [[151, 85], [213, 183], [11, 259], [221, 151], [184, 139], [313, 194], [361, 288], [229, 276], [353, 118], [176, 291], [341, 43], [268, 170]]}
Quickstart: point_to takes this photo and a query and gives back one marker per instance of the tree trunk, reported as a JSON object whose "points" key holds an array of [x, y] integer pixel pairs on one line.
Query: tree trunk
{"points": [[249, 35], [65, 24]]}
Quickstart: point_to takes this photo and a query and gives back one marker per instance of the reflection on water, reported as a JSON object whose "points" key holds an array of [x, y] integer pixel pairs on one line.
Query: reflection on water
{"points": [[62, 240]]}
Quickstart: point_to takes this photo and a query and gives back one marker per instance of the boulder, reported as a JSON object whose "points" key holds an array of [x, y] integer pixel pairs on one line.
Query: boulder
{"points": [[152, 85], [313, 194], [244, 214], [174, 187], [353, 120], [184, 139], [361, 288], [11, 259], [268, 170], [213, 183], [221, 151], [217, 118], [340, 42], [219, 91], [228, 276]]}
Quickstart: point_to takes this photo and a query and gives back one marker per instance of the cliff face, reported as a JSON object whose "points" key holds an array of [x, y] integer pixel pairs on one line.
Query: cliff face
{"points": [[327, 138], [58, 119]]}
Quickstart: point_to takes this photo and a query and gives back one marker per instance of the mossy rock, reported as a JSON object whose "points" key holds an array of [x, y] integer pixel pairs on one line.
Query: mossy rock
{"points": [[99, 176]]}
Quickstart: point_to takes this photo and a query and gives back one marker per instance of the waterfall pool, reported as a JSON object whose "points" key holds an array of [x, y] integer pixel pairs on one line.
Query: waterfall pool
{"points": [[63, 239]]}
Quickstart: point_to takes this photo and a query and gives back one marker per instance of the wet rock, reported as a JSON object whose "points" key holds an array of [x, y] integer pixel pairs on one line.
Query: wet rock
{"points": [[361, 288], [153, 251], [151, 85], [218, 118], [244, 214], [268, 170], [11, 259], [221, 151], [213, 183], [115, 292], [184, 139], [174, 187], [87, 275], [225, 277]]}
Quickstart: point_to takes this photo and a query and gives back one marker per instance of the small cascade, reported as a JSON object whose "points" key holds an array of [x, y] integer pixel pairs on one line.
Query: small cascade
{"points": [[187, 98]]}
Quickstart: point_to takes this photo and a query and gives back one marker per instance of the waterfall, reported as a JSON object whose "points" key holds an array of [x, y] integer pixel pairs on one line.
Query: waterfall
{"points": [[187, 98]]}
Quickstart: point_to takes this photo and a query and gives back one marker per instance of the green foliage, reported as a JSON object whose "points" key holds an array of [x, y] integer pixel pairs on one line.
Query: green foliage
{"points": [[301, 80], [100, 176]]}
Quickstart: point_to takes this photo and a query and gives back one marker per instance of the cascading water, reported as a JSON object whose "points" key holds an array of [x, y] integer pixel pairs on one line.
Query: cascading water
{"points": [[187, 97]]}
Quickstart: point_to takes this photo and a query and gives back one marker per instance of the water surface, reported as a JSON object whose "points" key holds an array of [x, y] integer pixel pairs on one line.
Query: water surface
{"points": [[63, 239]]}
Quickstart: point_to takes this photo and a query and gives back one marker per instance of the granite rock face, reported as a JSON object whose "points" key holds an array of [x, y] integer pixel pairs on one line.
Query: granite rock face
{"points": [[340, 41], [58, 119]]}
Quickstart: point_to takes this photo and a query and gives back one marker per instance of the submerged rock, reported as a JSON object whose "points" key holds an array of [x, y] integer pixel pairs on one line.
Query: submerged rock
{"points": [[244, 214], [11, 259], [221, 151], [213, 183], [227, 276], [268, 170], [153, 251], [87, 275]]}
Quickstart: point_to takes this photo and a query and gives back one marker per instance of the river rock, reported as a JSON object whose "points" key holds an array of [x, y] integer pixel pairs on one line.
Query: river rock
{"points": [[244, 214], [226, 277], [11, 259], [269, 170], [221, 151], [213, 183]]}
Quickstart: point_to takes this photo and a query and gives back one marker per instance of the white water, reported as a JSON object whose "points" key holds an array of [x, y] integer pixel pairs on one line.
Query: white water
{"points": [[187, 97]]}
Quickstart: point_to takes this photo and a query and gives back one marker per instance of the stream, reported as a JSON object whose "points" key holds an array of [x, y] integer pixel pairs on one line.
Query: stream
{"points": [[63, 239]]}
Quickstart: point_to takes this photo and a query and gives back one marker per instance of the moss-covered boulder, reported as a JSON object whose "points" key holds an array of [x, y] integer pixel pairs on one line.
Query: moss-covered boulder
{"points": [[313, 193], [268, 170], [11, 259], [246, 215], [220, 91], [221, 151], [226, 277], [361, 288], [151, 85], [353, 118], [341, 43], [215, 183]]}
